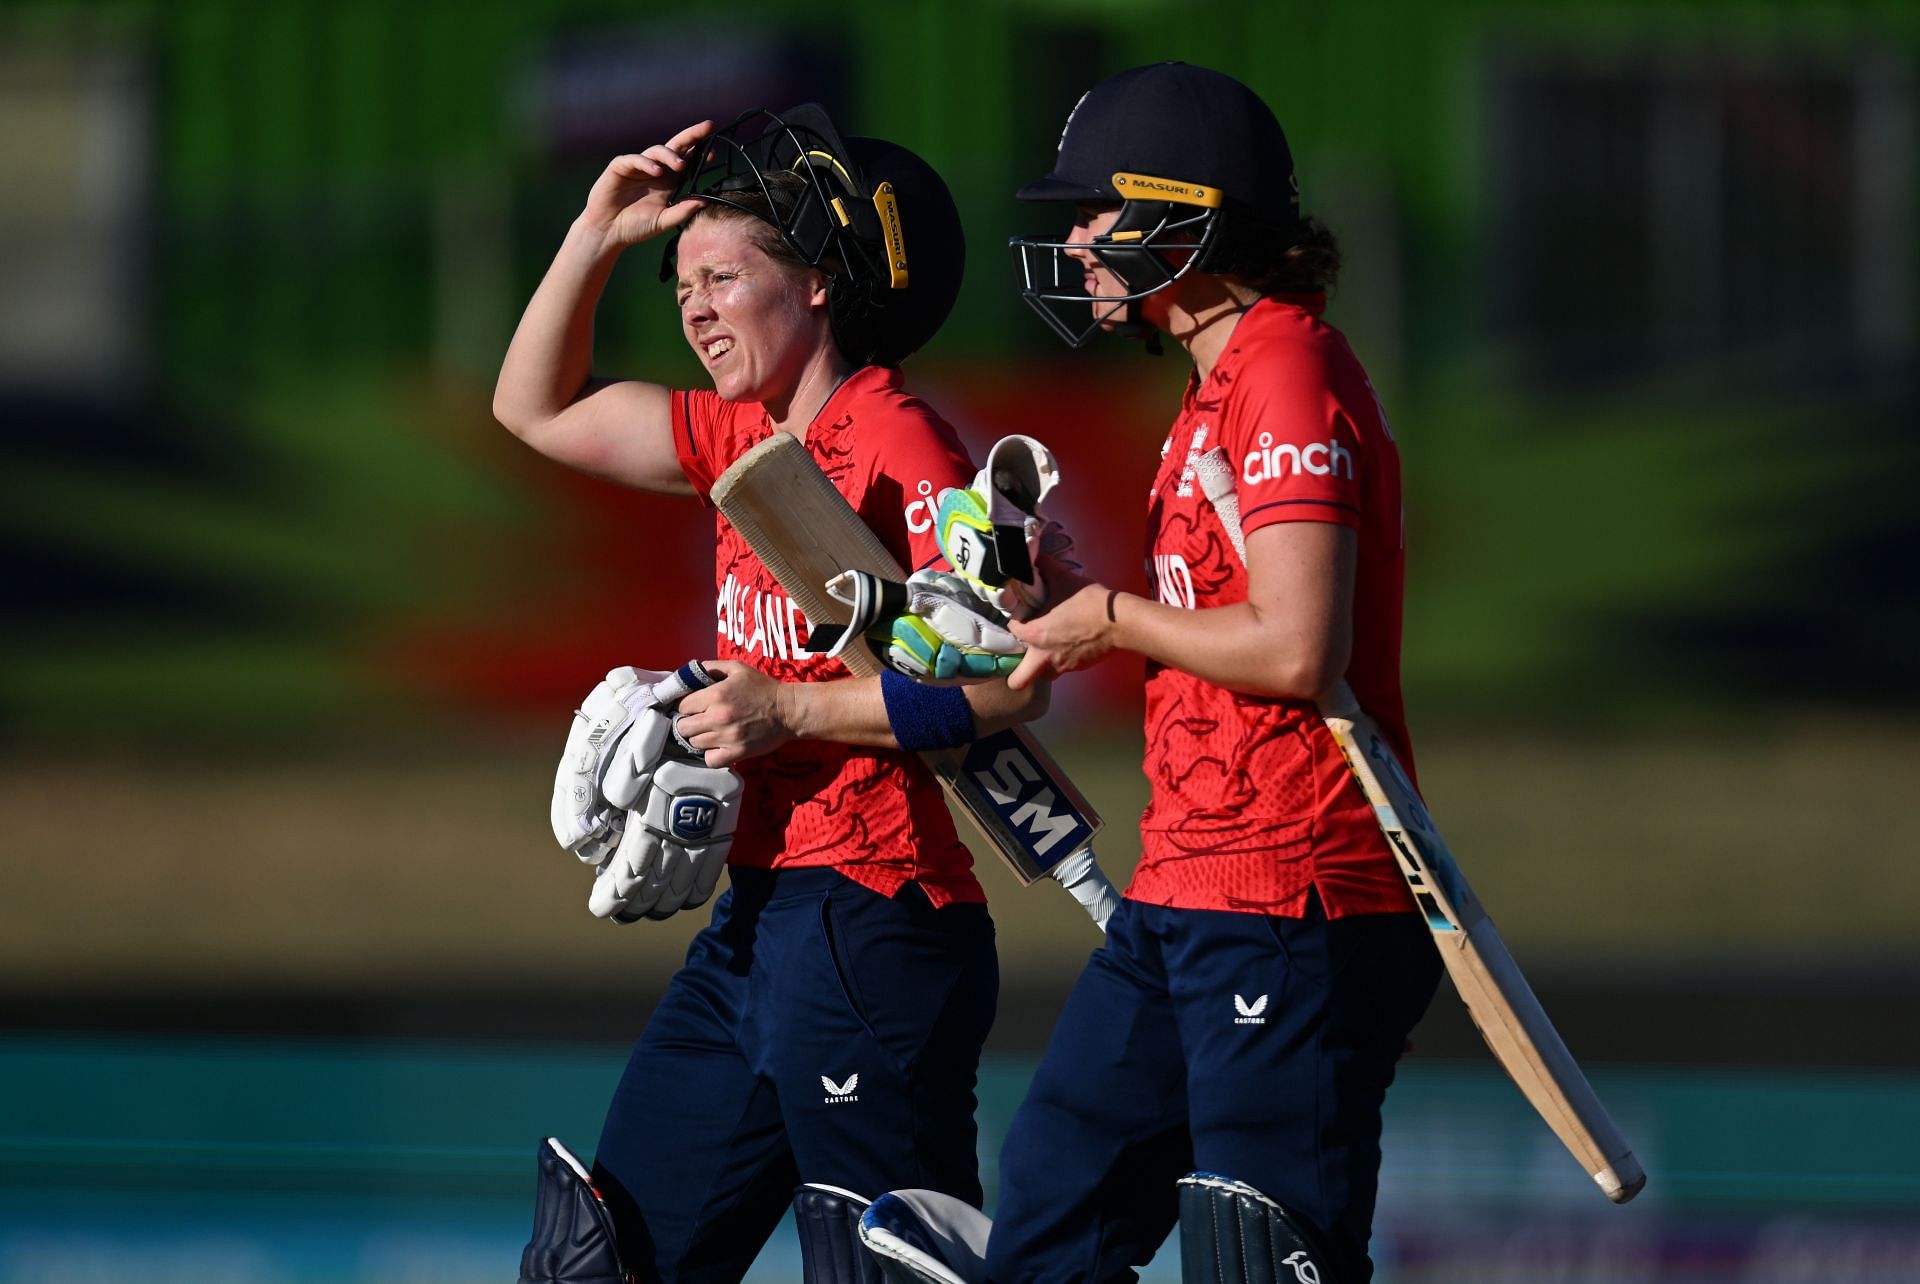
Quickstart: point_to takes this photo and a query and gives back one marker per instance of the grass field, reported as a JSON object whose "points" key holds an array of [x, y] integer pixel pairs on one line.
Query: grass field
{"points": [[353, 869]]}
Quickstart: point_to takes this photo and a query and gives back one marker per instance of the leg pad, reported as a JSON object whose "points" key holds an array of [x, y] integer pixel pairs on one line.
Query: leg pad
{"points": [[573, 1240], [828, 1219], [1230, 1233]]}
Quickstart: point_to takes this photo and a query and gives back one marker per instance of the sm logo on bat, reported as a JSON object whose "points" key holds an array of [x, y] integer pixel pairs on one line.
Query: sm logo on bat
{"points": [[1045, 822], [692, 819]]}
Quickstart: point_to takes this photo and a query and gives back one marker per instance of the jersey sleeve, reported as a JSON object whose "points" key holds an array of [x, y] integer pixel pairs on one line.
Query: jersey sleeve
{"points": [[1297, 454], [919, 456], [699, 419]]}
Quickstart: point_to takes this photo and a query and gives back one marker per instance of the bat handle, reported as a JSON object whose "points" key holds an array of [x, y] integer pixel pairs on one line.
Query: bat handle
{"points": [[1339, 701], [1087, 883]]}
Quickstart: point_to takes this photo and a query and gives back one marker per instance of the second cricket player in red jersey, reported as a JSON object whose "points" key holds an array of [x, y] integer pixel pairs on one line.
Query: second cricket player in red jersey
{"points": [[1242, 1022], [1252, 804]]}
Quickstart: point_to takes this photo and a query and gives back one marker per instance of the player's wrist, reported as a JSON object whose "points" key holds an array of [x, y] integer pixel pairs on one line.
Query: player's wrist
{"points": [[1115, 607], [793, 711], [592, 239]]}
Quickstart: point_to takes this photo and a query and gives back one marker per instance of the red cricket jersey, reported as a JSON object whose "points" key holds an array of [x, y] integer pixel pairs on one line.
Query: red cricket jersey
{"points": [[1252, 804], [876, 815]]}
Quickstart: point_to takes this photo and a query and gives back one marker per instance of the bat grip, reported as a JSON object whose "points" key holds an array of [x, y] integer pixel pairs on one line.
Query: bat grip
{"points": [[1087, 883]]}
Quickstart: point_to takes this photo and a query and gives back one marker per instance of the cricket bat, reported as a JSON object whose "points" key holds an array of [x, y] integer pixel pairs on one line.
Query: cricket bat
{"points": [[1498, 998], [806, 533]]}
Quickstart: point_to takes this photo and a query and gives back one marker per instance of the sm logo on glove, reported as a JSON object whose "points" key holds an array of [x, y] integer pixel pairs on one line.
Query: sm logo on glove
{"points": [[692, 819]]}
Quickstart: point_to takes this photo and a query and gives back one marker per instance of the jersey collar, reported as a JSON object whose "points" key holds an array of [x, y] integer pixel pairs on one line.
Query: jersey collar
{"points": [[861, 383], [1267, 312]]}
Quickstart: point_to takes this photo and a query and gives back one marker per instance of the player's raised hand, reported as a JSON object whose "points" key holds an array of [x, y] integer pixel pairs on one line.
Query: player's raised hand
{"points": [[632, 200]]}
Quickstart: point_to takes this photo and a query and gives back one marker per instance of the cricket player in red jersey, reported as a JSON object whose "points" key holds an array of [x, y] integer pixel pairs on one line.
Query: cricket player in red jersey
{"points": [[1261, 976], [827, 1026]]}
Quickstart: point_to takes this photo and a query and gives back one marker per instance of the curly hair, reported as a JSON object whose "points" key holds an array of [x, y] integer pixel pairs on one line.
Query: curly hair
{"points": [[1274, 259]]}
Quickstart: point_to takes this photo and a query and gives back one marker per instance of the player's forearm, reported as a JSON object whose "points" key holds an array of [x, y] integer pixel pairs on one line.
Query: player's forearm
{"points": [[848, 712], [550, 360], [854, 711], [1237, 646], [996, 706]]}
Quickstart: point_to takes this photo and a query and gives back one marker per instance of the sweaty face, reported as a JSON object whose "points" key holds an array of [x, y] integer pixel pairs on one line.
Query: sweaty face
{"points": [[753, 321]]}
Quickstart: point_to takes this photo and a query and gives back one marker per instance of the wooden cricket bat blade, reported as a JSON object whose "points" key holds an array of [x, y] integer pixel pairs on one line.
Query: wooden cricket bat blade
{"points": [[807, 534], [1503, 1006], [1524, 1041], [1498, 998]]}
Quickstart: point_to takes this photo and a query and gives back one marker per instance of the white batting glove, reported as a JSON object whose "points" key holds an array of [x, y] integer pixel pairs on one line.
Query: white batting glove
{"points": [[674, 844], [583, 821], [637, 802]]}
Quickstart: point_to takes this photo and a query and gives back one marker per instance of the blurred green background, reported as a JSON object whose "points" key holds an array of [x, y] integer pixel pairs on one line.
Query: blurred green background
{"points": [[291, 627]]}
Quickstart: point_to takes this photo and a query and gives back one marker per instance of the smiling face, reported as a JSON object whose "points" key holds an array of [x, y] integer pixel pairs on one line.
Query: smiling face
{"points": [[755, 322]]}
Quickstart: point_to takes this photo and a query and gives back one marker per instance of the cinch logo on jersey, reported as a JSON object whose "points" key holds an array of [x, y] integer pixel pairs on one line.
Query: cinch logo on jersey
{"points": [[765, 622], [1271, 462], [1175, 581], [922, 511], [840, 1093], [1250, 1013]]}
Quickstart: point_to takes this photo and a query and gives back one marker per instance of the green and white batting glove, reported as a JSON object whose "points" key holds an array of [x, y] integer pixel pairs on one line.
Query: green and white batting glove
{"points": [[993, 533], [935, 628]]}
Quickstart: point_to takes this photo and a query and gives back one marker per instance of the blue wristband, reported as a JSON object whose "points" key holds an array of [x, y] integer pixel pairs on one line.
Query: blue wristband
{"points": [[925, 717]]}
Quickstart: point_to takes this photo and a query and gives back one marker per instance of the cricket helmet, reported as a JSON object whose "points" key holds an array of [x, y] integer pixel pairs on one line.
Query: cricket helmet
{"points": [[1193, 158], [872, 215]]}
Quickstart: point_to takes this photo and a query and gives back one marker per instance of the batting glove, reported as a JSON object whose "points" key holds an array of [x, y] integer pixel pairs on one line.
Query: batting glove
{"points": [[993, 533], [674, 842], [583, 821], [934, 628]]}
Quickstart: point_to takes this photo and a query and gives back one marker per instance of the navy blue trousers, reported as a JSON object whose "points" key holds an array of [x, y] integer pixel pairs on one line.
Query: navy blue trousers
{"points": [[818, 1032], [1256, 1047]]}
